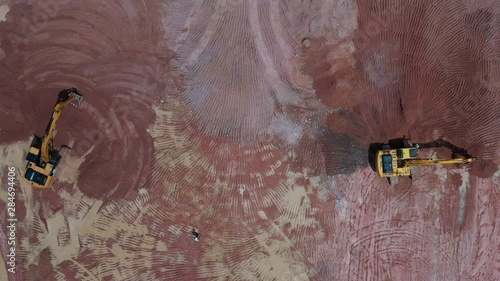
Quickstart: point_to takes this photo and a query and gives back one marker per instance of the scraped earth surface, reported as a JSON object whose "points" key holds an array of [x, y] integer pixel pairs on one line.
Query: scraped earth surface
{"points": [[251, 122]]}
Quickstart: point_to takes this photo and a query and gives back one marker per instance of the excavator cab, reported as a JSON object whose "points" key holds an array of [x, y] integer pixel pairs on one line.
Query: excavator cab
{"points": [[42, 158], [39, 173]]}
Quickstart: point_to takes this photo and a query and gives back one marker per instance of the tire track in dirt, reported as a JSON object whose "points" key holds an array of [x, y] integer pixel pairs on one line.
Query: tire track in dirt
{"points": [[383, 235], [385, 246], [224, 83], [479, 244], [237, 83]]}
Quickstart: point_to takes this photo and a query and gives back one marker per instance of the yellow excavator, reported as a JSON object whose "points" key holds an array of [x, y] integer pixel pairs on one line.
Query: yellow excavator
{"points": [[393, 163], [42, 158]]}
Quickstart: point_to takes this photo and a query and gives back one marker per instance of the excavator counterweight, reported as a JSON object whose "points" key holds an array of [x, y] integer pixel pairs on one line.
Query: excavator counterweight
{"points": [[42, 158]]}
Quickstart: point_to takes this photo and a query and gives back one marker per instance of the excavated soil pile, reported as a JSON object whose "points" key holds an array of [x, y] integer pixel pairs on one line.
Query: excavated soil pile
{"points": [[251, 121]]}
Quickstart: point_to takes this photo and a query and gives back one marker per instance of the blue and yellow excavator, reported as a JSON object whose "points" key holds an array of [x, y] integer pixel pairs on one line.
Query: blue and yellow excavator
{"points": [[42, 158]]}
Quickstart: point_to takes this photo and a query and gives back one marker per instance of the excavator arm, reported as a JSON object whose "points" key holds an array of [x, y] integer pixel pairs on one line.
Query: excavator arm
{"points": [[431, 162], [65, 97]]}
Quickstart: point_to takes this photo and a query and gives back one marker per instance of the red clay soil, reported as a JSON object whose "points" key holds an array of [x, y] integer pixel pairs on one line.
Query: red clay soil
{"points": [[197, 114], [428, 71], [421, 70], [117, 71]]}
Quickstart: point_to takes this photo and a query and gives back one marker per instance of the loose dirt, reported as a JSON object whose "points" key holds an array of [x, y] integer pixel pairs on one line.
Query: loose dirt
{"points": [[118, 73], [251, 121], [424, 72]]}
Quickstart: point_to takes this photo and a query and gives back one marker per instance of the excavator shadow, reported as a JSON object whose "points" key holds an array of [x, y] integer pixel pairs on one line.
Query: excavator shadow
{"points": [[372, 152], [455, 150]]}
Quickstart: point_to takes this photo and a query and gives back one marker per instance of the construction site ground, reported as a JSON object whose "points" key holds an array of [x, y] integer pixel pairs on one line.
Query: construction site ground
{"points": [[251, 122]]}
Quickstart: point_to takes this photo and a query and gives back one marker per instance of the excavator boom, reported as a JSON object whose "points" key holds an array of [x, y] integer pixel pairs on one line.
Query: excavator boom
{"points": [[431, 162], [42, 158], [69, 96]]}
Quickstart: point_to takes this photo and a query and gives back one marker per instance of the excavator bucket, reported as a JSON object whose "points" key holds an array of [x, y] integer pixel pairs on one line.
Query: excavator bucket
{"points": [[77, 99], [71, 94]]}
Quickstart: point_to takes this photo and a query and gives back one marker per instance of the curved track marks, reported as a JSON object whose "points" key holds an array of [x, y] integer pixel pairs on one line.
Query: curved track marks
{"points": [[372, 231], [238, 62], [265, 210], [242, 198], [254, 209], [427, 70], [374, 255], [117, 71]]}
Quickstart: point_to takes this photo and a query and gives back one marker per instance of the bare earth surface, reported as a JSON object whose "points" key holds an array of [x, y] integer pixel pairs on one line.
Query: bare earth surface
{"points": [[251, 122]]}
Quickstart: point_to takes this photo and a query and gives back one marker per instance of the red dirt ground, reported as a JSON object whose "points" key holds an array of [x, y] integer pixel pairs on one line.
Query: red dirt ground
{"points": [[414, 76], [117, 72], [251, 121]]}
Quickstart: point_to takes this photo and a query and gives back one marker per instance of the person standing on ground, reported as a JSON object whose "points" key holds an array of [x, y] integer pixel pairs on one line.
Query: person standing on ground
{"points": [[196, 235]]}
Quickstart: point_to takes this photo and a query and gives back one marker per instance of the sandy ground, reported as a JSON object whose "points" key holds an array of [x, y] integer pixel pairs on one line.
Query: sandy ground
{"points": [[251, 121]]}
